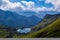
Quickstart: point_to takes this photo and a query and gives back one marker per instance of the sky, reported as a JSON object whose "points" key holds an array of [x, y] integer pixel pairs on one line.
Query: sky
{"points": [[31, 5], [40, 3]]}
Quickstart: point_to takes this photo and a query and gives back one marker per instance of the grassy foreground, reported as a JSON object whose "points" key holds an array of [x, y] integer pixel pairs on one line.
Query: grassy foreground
{"points": [[3, 33]]}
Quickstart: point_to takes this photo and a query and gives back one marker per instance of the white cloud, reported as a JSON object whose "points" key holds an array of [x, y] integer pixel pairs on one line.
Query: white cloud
{"points": [[43, 9], [7, 5], [56, 4], [30, 4], [18, 7]]}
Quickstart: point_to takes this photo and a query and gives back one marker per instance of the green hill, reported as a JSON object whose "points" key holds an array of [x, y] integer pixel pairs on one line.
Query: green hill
{"points": [[52, 30], [3, 33], [48, 19]]}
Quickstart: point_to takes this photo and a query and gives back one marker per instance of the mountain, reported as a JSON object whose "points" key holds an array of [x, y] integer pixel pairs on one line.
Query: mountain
{"points": [[42, 14], [49, 26], [28, 13], [13, 19], [48, 19], [51, 30]]}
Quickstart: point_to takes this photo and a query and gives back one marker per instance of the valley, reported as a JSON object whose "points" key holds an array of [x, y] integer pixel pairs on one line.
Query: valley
{"points": [[46, 28]]}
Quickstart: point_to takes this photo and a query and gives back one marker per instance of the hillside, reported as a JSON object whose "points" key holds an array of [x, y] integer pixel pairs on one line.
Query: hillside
{"points": [[48, 19], [52, 30], [3, 33]]}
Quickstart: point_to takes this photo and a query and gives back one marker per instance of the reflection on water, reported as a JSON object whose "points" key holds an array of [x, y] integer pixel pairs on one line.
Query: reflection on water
{"points": [[25, 30]]}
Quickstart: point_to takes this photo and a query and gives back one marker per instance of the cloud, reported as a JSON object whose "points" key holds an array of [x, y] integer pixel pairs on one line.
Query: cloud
{"points": [[19, 6], [56, 4], [43, 9], [7, 5], [30, 4], [16, 6]]}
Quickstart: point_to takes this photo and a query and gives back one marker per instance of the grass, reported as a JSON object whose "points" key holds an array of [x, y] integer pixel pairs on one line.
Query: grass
{"points": [[3, 33]]}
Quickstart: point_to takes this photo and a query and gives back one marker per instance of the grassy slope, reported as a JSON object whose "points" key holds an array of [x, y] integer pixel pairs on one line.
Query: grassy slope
{"points": [[3, 33], [52, 30]]}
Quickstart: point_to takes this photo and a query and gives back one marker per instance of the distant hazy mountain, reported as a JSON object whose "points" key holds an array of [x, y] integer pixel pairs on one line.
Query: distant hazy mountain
{"points": [[13, 19], [28, 13], [41, 14]]}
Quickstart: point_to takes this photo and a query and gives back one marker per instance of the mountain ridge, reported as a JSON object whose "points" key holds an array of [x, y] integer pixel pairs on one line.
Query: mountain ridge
{"points": [[48, 19], [51, 30], [11, 18]]}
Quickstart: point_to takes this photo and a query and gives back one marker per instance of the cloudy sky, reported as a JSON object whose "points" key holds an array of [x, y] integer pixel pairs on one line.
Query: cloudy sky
{"points": [[34, 5]]}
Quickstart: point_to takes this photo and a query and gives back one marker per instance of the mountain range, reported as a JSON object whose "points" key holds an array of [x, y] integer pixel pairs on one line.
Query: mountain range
{"points": [[13, 19], [49, 26]]}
